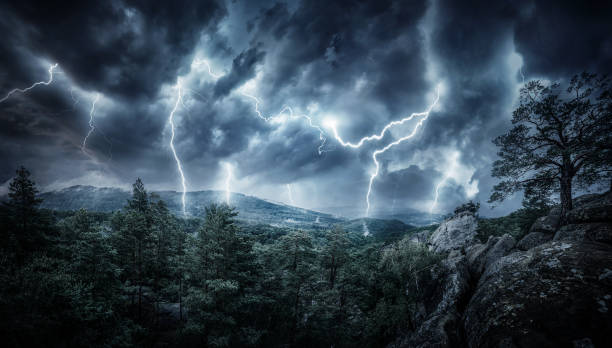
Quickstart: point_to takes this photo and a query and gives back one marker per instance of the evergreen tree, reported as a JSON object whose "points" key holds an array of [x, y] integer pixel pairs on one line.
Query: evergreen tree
{"points": [[562, 140], [335, 253], [221, 275], [26, 228], [298, 270], [133, 240]]}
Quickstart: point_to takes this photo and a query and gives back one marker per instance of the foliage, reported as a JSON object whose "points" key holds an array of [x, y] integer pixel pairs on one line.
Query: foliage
{"points": [[561, 140], [139, 277], [516, 224], [469, 207]]}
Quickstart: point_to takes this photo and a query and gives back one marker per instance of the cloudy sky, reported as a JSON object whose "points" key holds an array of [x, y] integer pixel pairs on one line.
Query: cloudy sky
{"points": [[353, 65]]}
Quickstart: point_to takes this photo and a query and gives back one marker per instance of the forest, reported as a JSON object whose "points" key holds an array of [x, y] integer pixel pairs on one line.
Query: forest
{"points": [[141, 276]]}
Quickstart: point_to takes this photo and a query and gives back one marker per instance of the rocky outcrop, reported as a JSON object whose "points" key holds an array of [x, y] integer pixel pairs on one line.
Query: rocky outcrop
{"points": [[547, 224], [591, 208], [549, 296], [455, 233], [539, 292], [533, 239], [480, 256], [440, 324], [590, 220], [594, 232]]}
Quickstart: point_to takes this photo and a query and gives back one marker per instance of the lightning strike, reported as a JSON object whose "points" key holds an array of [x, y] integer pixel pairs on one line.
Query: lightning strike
{"points": [[332, 124], [228, 180], [290, 194], [23, 90], [423, 117], [179, 166], [92, 127], [198, 62], [287, 110]]}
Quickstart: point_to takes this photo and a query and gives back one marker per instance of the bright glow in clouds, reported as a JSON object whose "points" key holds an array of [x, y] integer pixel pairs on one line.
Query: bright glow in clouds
{"points": [[460, 175], [46, 83], [449, 171], [228, 181], [91, 123], [179, 166], [423, 117]]}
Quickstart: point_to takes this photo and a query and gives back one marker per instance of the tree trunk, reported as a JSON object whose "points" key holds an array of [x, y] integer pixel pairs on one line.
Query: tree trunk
{"points": [[566, 198]]}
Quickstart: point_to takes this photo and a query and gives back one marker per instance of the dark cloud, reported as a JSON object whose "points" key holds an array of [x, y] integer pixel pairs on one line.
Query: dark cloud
{"points": [[561, 38], [362, 63], [126, 49], [243, 69]]}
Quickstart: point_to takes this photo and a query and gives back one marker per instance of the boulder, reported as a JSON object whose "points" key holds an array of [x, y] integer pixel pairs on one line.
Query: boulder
{"points": [[554, 295], [546, 224], [533, 239], [457, 232], [420, 237], [591, 208], [480, 256], [595, 232]]}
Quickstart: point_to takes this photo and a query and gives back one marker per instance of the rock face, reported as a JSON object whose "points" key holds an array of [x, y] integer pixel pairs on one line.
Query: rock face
{"points": [[441, 324], [533, 239], [480, 256], [549, 296], [547, 224], [454, 233], [539, 292]]}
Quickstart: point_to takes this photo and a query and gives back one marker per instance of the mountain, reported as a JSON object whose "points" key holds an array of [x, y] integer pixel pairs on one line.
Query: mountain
{"points": [[406, 215], [251, 209]]}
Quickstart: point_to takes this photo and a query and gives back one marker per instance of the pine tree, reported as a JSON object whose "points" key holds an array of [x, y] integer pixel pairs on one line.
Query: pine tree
{"points": [[26, 226], [135, 245], [298, 270], [222, 275]]}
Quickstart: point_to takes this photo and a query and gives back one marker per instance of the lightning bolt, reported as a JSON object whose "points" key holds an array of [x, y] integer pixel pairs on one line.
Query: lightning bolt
{"points": [[91, 124], [179, 166], [423, 117], [228, 179], [198, 62], [290, 194], [287, 110], [23, 90], [442, 182]]}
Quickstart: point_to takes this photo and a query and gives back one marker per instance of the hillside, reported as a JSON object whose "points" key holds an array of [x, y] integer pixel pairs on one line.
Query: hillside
{"points": [[251, 209]]}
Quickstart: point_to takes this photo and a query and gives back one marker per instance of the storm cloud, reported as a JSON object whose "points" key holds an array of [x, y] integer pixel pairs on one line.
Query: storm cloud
{"points": [[362, 64]]}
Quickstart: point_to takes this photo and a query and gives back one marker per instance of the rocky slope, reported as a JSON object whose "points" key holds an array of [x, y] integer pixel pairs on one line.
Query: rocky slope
{"points": [[553, 288]]}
